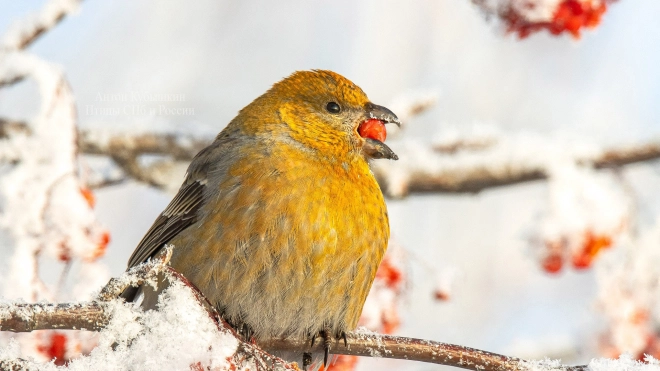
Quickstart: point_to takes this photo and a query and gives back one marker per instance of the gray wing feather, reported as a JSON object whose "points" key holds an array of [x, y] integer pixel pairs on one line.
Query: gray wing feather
{"points": [[179, 215], [182, 210]]}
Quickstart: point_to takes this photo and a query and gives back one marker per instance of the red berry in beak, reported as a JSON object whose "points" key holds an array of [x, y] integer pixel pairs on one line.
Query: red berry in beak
{"points": [[374, 129]]}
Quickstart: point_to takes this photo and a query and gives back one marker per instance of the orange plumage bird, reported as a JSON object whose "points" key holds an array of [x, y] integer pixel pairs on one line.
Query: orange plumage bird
{"points": [[280, 222]]}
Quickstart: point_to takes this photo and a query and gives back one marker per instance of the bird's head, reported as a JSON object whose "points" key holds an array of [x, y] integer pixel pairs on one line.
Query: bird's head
{"points": [[325, 111]]}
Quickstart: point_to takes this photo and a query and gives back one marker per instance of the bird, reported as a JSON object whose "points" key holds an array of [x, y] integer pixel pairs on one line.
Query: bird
{"points": [[280, 222]]}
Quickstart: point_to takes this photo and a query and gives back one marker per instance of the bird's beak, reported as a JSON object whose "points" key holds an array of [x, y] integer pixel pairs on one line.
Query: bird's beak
{"points": [[374, 148], [377, 112]]}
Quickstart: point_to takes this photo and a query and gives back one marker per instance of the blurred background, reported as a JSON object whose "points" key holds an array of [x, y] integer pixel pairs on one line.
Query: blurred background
{"points": [[219, 55]]}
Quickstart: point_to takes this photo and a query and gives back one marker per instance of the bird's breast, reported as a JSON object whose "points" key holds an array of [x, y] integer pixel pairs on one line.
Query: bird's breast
{"points": [[294, 242]]}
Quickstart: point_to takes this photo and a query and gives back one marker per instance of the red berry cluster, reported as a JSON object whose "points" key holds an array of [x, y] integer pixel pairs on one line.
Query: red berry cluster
{"points": [[570, 16], [582, 258]]}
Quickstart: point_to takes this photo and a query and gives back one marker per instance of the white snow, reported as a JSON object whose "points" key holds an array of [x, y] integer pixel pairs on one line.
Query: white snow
{"points": [[512, 154], [583, 204], [177, 336], [44, 19], [623, 363], [43, 206], [629, 292]]}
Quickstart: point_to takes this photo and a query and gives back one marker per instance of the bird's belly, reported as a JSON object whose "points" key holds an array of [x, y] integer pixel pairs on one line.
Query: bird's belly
{"points": [[296, 288], [290, 259]]}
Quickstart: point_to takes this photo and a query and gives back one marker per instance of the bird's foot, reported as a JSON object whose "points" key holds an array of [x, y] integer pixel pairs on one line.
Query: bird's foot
{"points": [[327, 337]]}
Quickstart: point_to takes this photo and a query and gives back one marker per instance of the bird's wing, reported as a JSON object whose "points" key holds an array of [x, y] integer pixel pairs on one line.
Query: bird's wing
{"points": [[179, 215], [182, 211]]}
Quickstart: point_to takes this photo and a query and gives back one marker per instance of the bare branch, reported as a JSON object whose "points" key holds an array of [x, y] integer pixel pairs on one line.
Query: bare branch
{"points": [[11, 127], [147, 174], [125, 150], [477, 144], [10, 80], [616, 157], [32, 317]]}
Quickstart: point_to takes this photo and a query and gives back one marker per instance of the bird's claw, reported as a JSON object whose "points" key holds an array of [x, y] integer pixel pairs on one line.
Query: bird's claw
{"points": [[327, 344]]}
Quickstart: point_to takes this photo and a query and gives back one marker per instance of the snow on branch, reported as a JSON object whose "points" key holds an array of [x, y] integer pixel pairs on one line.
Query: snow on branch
{"points": [[459, 165], [120, 334], [92, 316], [453, 163], [131, 337], [45, 208], [504, 161], [126, 149], [23, 32]]}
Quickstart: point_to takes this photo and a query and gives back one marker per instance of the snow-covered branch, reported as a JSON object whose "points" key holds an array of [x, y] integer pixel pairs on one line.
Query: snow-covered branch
{"points": [[126, 150], [22, 317], [98, 315], [23, 32], [464, 165], [92, 316], [511, 160], [467, 167]]}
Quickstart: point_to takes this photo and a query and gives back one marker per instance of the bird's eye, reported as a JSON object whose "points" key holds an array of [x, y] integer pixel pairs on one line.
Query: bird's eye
{"points": [[333, 107]]}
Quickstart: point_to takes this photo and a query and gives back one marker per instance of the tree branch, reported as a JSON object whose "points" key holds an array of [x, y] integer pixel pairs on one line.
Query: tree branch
{"points": [[424, 170], [95, 315], [33, 317], [179, 147], [24, 32], [397, 180], [452, 177], [398, 347], [92, 316]]}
